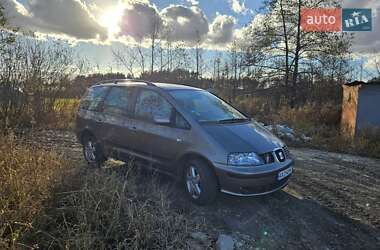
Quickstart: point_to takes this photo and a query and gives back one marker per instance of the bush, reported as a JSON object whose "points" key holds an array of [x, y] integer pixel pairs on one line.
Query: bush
{"points": [[319, 121], [306, 117]]}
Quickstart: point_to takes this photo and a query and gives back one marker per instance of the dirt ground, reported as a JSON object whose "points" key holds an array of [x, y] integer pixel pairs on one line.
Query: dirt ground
{"points": [[332, 202]]}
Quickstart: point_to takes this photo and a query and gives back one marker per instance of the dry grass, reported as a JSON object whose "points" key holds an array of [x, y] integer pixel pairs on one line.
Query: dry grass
{"points": [[365, 144], [60, 114], [109, 210], [27, 175], [308, 116], [48, 203], [63, 114], [318, 121]]}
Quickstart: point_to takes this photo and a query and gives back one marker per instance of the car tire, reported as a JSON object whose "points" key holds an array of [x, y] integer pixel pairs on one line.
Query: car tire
{"points": [[200, 182], [92, 151]]}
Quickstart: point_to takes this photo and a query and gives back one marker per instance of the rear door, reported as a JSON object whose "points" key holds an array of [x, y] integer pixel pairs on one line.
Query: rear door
{"points": [[162, 143], [89, 114], [116, 131]]}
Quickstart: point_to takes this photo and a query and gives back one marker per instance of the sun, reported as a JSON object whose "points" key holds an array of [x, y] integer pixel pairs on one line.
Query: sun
{"points": [[110, 19]]}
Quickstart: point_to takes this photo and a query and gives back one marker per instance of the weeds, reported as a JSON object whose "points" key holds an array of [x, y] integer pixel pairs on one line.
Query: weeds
{"points": [[27, 175], [43, 205], [319, 121], [63, 114]]}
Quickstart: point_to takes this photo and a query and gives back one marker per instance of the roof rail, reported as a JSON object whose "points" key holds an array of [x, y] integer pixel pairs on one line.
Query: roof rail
{"points": [[116, 81]]}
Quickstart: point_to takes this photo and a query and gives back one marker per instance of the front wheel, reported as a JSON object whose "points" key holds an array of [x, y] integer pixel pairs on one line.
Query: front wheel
{"points": [[200, 182], [92, 151]]}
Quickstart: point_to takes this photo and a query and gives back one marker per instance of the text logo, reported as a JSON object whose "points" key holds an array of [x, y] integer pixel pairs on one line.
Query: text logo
{"points": [[321, 19], [335, 20], [357, 19]]}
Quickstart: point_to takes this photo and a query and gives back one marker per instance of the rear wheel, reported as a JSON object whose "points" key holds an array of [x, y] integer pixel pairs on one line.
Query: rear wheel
{"points": [[200, 182], [92, 151]]}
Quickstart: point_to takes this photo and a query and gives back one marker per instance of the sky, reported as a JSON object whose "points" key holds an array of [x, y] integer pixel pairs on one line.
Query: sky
{"points": [[96, 27]]}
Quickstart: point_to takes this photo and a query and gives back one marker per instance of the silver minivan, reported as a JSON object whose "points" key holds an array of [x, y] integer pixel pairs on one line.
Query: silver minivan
{"points": [[185, 132]]}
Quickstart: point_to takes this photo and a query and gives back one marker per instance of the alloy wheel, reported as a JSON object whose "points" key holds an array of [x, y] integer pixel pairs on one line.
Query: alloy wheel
{"points": [[193, 182], [90, 151]]}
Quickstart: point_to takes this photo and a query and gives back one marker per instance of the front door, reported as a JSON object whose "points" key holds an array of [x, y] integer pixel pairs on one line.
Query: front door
{"points": [[158, 137]]}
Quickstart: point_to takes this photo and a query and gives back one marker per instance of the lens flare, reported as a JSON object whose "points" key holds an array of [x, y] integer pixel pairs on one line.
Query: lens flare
{"points": [[110, 19]]}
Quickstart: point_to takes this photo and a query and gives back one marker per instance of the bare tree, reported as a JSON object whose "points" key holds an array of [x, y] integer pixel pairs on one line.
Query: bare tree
{"points": [[168, 46], [286, 41], [156, 27], [83, 65], [142, 58], [180, 57], [128, 58], [282, 49], [33, 74], [217, 62], [198, 54]]}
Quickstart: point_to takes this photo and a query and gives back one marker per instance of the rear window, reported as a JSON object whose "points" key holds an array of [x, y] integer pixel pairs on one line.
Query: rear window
{"points": [[93, 98], [117, 101]]}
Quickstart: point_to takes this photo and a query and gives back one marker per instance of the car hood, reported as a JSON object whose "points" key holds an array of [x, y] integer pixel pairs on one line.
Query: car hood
{"points": [[243, 137]]}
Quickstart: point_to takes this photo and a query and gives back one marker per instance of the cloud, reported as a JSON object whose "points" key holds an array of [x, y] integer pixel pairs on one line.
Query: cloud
{"points": [[83, 20], [193, 2], [238, 7], [97, 7], [221, 30], [139, 20], [70, 18], [175, 23], [256, 24], [183, 23]]}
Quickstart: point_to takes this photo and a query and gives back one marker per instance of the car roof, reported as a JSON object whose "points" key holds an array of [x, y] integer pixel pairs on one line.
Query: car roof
{"points": [[132, 82]]}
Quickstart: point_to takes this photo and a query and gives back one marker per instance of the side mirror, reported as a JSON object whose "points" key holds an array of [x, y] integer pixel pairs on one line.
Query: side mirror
{"points": [[161, 120]]}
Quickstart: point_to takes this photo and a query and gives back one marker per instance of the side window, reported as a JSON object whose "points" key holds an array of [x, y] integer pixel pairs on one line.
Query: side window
{"points": [[93, 98], [180, 122], [150, 105], [117, 101]]}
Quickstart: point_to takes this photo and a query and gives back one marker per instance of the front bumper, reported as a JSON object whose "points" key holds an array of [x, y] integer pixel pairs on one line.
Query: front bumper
{"points": [[252, 181]]}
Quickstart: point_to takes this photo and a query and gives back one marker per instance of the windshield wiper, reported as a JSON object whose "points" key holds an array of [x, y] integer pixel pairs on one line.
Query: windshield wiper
{"points": [[233, 120]]}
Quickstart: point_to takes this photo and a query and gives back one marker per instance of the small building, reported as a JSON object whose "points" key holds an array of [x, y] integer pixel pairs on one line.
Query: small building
{"points": [[361, 107]]}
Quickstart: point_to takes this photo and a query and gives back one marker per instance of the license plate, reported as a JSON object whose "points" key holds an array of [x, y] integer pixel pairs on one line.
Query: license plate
{"points": [[283, 174]]}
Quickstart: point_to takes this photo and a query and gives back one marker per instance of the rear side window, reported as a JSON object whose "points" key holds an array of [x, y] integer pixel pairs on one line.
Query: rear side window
{"points": [[150, 104], [93, 98], [117, 101], [180, 122]]}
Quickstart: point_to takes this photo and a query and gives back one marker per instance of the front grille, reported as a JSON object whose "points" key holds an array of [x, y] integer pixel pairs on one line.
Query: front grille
{"points": [[286, 151], [280, 155]]}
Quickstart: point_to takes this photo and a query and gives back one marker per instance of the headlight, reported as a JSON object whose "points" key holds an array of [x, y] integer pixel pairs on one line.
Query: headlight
{"points": [[244, 159]]}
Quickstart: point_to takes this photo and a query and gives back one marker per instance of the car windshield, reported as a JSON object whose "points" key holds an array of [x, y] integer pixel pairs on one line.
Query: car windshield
{"points": [[206, 107]]}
